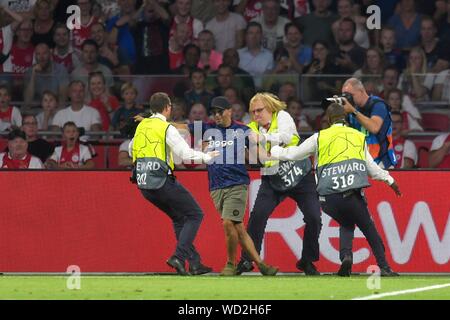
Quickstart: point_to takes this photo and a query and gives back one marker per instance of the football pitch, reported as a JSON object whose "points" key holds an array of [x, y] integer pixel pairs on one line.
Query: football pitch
{"points": [[213, 287]]}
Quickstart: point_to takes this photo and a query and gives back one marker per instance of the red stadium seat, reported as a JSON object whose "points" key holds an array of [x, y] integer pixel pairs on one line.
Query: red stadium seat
{"points": [[113, 154], [423, 147], [100, 158], [435, 122]]}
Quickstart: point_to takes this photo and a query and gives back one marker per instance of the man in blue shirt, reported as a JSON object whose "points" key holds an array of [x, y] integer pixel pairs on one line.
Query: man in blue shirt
{"points": [[228, 180]]}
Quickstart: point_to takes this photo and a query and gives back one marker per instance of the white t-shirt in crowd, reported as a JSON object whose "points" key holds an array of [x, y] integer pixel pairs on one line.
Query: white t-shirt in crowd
{"points": [[409, 151], [443, 78], [232, 24], [84, 118]]}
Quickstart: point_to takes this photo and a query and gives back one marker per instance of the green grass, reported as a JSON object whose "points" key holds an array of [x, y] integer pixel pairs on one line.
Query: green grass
{"points": [[215, 287]]}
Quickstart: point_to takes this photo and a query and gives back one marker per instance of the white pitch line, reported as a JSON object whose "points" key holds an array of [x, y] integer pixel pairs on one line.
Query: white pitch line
{"points": [[397, 293]]}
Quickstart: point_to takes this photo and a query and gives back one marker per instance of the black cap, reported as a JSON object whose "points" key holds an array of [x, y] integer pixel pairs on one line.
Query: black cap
{"points": [[17, 133], [220, 102]]}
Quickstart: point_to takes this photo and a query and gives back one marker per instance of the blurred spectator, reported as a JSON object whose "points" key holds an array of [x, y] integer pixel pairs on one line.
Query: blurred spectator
{"points": [[317, 86], [272, 24], [372, 68], [63, 53], [403, 104], [389, 80], [233, 23], [255, 59], [36, 146], [282, 72], [444, 24], [84, 116], [80, 35], [17, 156], [203, 10], [439, 156], [286, 91], [9, 22], [392, 55], [371, 87], [317, 25], [101, 99], [22, 49], [45, 75], [151, 35], [123, 158], [43, 23], [49, 104], [107, 53], [299, 54], [198, 112], [9, 115], [177, 44], [294, 108], [129, 108], [183, 15], [89, 51], [210, 59], [225, 79], [405, 150], [71, 154], [441, 88], [191, 58], [350, 56], [414, 80], [179, 109], [346, 10], [406, 24], [232, 95], [436, 51], [198, 92], [120, 33], [243, 81], [239, 113]]}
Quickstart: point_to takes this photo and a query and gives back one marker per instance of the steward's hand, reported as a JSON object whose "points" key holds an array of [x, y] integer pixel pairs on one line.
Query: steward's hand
{"points": [[396, 189]]}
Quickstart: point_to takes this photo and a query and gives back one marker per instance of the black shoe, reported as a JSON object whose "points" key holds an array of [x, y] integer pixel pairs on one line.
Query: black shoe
{"points": [[387, 272], [307, 267], [346, 267], [199, 269], [178, 265], [244, 266]]}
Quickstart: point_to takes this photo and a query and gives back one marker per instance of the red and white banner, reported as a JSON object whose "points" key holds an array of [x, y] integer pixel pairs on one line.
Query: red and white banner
{"points": [[101, 222]]}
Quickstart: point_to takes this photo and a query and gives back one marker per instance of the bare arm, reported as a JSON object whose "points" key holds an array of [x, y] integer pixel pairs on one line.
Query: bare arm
{"points": [[436, 156], [17, 18], [124, 160], [372, 124], [437, 92]]}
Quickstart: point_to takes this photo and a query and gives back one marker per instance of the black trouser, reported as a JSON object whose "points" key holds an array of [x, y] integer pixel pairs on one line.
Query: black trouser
{"points": [[350, 209], [268, 199], [175, 201]]}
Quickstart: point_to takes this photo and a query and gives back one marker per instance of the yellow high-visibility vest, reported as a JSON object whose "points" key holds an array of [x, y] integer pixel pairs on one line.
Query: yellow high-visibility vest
{"points": [[341, 163]]}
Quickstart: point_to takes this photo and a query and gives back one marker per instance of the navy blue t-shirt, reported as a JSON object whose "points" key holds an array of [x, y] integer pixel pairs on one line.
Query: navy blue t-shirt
{"points": [[228, 169]]}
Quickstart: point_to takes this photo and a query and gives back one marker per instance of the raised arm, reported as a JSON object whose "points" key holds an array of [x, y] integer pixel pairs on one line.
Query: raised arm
{"points": [[303, 151]]}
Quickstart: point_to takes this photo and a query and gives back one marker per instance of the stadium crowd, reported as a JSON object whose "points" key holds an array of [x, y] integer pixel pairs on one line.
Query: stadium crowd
{"points": [[78, 88]]}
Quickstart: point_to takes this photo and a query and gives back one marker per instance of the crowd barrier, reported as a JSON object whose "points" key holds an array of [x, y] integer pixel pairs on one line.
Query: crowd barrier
{"points": [[99, 221]]}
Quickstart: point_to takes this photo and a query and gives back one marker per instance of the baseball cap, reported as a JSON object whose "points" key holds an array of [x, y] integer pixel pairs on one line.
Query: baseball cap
{"points": [[220, 102], [16, 133]]}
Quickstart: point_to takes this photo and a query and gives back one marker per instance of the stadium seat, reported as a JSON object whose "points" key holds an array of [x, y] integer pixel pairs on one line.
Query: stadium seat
{"points": [[100, 158], [3, 144], [435, 122], [423, 147], [113, 154]]}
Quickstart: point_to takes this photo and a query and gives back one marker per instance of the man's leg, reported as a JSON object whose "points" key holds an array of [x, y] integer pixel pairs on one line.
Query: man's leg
{"points": [[361, 215], [308, 202], [266, 201], [183, 210], [231, 239]]}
